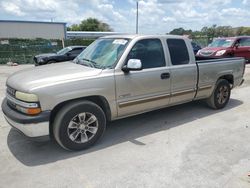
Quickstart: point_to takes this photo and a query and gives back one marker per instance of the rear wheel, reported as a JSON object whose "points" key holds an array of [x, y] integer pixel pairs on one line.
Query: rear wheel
{"points": [[79, 125], [220, 95]]}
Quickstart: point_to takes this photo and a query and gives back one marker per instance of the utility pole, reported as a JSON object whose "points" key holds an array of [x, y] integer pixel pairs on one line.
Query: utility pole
{"points": [[137, 6]]}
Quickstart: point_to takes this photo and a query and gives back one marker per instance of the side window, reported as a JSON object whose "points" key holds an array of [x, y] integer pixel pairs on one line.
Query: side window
{"points": [[150, 52], [178, 51], [244, 42], [76, 51]]}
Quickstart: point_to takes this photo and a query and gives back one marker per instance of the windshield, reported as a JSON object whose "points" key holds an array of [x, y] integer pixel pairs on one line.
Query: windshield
{"points": [[103, 53], [64, 51], [222, 43]]}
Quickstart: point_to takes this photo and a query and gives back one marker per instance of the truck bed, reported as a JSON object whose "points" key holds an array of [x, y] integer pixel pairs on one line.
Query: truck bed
{"points": [[211, 69]]}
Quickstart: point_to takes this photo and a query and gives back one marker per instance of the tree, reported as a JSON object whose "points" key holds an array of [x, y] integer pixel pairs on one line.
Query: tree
{"points": [[73, 27], [180, 31], [246, 31], [90, 24]]}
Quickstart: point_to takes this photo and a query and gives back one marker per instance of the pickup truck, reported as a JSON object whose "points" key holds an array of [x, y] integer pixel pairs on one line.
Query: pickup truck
{"points": [[115, 77]]}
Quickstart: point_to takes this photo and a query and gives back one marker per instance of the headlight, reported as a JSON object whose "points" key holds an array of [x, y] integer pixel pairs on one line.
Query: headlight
{"points": [[220, 53], [40, 60], [26, 97], [29, 103]]}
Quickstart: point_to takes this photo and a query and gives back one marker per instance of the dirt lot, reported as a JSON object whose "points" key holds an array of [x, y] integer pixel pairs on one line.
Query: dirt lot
{"points": [[184, 146]]}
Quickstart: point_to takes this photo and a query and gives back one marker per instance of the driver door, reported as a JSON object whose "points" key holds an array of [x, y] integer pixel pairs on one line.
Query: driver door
{"points": [[243, 49], [147, 89]]}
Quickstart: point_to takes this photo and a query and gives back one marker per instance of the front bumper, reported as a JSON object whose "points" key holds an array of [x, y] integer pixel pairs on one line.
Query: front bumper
{"points": [[36, 127]]}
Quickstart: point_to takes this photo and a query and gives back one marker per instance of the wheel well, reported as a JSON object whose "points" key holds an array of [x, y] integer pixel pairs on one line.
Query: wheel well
{"points": [[99, 100], [229, 78]]}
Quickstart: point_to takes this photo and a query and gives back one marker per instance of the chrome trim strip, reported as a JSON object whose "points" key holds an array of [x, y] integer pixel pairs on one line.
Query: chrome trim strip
{"points": [[159, 97], [184, 92], [204, 87], [21, 103], [144, 100]]}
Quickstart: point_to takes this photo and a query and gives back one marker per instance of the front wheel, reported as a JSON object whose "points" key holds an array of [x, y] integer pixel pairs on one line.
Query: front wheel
{"points": [[79, 125], [220, 95]]}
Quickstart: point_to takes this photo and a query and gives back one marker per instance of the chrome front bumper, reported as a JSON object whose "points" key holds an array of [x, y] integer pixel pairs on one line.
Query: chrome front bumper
{"points": [[30, 130], [34, 127]]}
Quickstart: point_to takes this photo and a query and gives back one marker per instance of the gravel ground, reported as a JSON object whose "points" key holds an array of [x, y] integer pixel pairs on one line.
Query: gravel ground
{"points": [[185, 146]]}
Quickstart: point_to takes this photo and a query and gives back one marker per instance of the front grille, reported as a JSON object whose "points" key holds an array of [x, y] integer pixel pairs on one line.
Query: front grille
{"points": [[11, 91], [206, 53]]}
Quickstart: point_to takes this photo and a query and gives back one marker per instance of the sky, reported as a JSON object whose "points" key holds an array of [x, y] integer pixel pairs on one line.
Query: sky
{"points": [[155, 16]]}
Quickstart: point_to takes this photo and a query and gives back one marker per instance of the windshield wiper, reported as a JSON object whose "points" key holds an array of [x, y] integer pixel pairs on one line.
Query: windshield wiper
{"points": [[93, 63], [81, 62], [90, 63]]}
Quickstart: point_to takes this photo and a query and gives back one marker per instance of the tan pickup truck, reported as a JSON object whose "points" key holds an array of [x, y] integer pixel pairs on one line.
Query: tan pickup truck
{"points": [[113, 78]]}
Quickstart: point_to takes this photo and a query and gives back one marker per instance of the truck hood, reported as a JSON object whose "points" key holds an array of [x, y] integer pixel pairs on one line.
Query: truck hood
{"points": [[45, 55], [214, 49], [42, 76], [210, 51]]}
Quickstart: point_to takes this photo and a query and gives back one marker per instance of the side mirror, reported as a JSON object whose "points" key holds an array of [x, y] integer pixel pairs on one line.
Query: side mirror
{"points": [[68, 54], [133, 65], [236, 46]]}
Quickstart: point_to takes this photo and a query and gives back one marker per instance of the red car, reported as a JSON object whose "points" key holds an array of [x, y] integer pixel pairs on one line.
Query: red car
{"points": [[228, 47]]}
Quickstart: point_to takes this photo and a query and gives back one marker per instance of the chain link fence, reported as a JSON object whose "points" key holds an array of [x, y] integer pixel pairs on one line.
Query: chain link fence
{"points": [[22, 51]]}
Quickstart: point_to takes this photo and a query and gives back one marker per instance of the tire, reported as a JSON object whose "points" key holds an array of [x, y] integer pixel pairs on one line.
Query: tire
{"points": [[73, 129], [220, 95]]}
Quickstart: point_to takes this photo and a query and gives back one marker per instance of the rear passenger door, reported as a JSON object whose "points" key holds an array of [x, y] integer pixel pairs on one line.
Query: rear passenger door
{"points": [[183, 71], [147, 89]]}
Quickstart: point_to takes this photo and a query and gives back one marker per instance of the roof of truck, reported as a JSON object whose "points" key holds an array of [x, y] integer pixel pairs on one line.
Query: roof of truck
{"points": [[132, 36]]}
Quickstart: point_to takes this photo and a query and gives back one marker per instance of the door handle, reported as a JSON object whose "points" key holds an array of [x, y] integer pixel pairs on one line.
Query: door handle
{"points": [[165, 75]]}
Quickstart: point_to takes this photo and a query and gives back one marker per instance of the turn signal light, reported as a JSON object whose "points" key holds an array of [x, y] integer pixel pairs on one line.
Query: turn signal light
{"points": [[29, 111], [33, 111]]}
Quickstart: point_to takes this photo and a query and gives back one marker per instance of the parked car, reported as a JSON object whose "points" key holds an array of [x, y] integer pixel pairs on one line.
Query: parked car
{"points": [[196, 47], [65, 54], [228, 47], [113, 78]]}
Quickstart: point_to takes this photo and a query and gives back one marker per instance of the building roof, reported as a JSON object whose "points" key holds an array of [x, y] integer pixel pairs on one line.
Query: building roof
{"points": [[35, 22], [89, 34]]}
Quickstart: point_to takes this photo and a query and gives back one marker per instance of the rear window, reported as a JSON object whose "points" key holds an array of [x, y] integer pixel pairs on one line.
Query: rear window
{"points": [[178, 51]]}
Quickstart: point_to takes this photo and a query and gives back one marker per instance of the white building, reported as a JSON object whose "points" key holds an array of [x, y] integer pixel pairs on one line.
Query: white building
{"points": [[32, 29]]}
